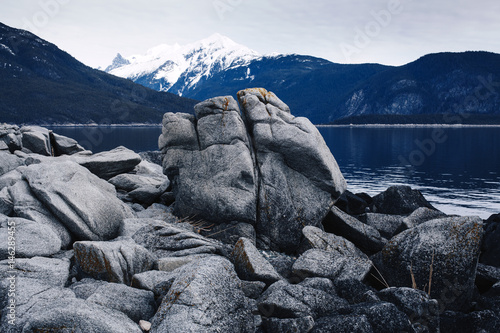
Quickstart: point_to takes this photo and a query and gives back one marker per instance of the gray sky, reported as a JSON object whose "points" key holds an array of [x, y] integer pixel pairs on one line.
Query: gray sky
{"points": [[392, 32]]}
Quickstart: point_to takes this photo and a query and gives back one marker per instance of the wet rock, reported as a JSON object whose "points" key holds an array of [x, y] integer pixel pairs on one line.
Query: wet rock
{"points": [[362, 235], [114, 261], [399, 200], [205, 297], [450, 245], [251, 265]]}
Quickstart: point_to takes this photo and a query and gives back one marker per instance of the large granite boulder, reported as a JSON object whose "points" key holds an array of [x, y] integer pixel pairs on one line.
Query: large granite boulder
{"points": [[440, 255], [109, 164], [10, 138], [115, 261], [264, 166], [86, 205], [37, 140], [205, 297], [9, 162], [208, 160]]}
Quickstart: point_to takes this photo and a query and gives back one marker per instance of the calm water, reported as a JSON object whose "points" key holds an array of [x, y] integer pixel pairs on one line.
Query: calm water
{"points": [[457, 169]]}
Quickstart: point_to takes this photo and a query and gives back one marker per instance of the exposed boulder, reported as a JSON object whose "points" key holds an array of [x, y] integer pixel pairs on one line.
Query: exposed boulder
{"points": [[362, 235], [387, 225], [10, 138], [37, 140], [399, 200], [303, 325], [209, 163], [343, 324], [63, 145], [332, 265], [129, 182], [351, 203], [115, 261], [50, 271], [109, 164], [137, 304], [440, 253], [205, 297], [85, 204], [284, 300], [269, 169], [31, 239], [419, 216], [299, 178], [9, 162], [491, 242], [251, 265]]}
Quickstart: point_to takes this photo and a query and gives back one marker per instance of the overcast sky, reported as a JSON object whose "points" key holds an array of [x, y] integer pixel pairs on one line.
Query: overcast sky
{"points": [[392, 32]]}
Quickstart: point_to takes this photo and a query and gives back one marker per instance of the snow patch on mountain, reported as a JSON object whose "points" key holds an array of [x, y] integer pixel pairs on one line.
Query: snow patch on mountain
{"points": [[176, 68]]}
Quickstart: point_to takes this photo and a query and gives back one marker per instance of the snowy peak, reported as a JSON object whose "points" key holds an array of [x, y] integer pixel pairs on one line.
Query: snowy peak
{"points": [[175, 68]]}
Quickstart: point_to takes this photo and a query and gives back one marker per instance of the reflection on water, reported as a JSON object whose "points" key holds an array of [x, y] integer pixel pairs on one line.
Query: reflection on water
{"points": [[458, 174], [457, 170]]}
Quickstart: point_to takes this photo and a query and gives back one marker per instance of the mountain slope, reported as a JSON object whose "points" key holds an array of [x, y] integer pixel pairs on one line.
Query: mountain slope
{"points": [[41, 84], [177, 69]]}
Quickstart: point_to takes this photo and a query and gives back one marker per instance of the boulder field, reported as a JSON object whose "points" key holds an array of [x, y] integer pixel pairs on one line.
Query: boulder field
{"points": [[247, 226]]}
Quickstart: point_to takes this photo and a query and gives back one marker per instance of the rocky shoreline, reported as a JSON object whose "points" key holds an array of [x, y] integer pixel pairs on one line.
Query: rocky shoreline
{"points": [[246, 226]]}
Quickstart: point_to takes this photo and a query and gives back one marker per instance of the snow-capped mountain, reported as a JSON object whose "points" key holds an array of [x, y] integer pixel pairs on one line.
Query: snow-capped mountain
{"points": [[176, 68]]}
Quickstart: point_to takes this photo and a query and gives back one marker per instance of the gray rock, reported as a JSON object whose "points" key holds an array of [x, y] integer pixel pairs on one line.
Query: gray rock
{"points": [[491, 241], [419, 216], [169, 264], [399, 200], [315, 238], [109, 164], [323, 284], [351, 203], [230, 233], [54, 272], [215, 179], [115, 261], [137, 304], [67, 313], [362, 235], [11, 177], [343, 324], [331, 265], [10, 138], [478, 321], [416, 304], [150, 279], [303, 325], [382, 316], [282, 263], [64, 145], [85, 204], [206, 297], [37, 140], [145, 195], [174, 241], [27, 206], [31, 239], [299, 178], [486, 277], [354, 291], [386, 224], [129, 182], [284, 300], [217, 164], [451, 245], [151, 163], [251, 265], [129, 227], [252, 289], [9, 162], [6, 204]]}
